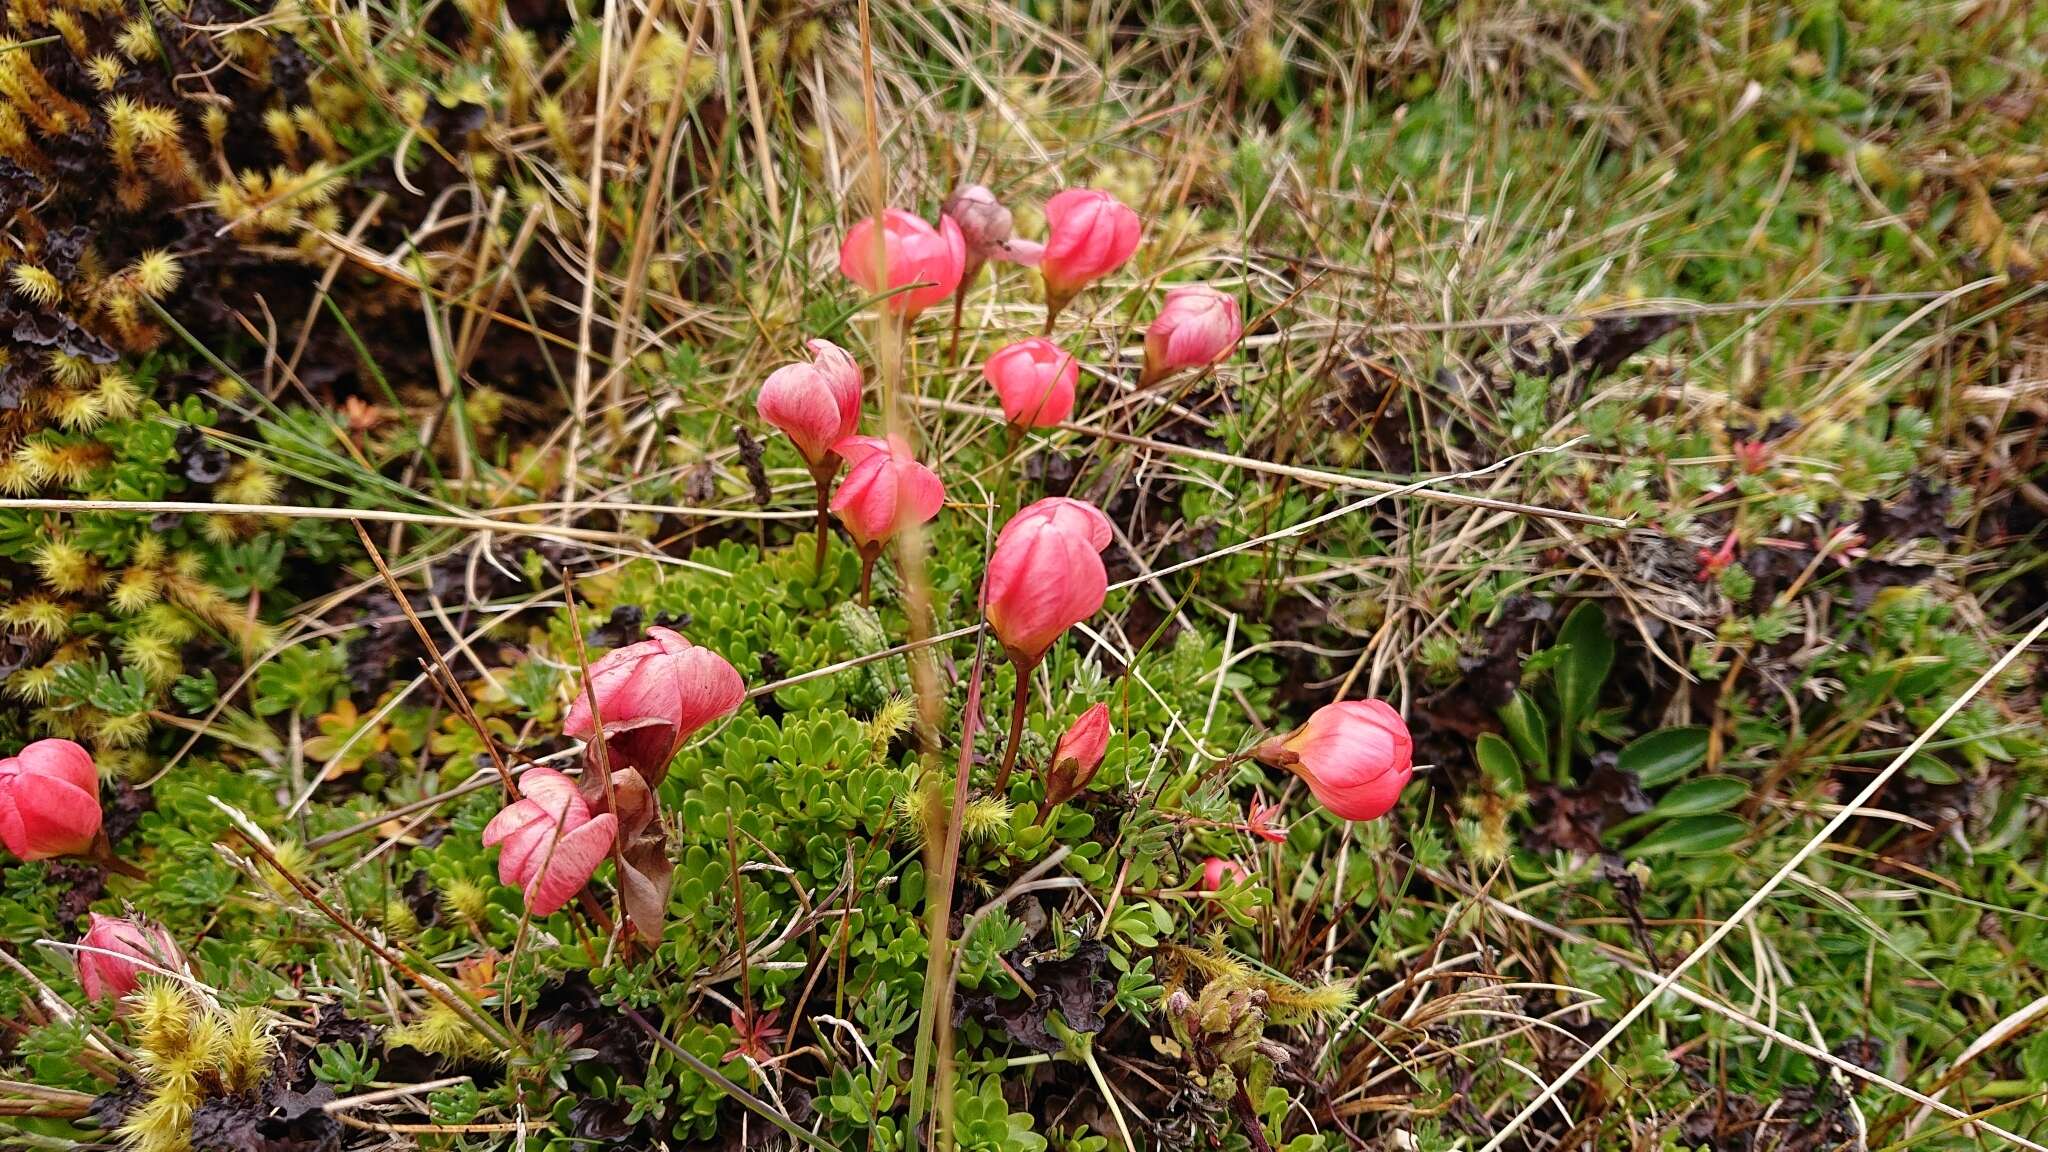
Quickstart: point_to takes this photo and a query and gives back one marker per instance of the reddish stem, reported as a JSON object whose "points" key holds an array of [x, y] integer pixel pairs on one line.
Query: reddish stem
{"points": [[1054, 305], [1254, 1132], [1016, 740], [867, 572], [103, 855], [959, 309], [824, 483]]}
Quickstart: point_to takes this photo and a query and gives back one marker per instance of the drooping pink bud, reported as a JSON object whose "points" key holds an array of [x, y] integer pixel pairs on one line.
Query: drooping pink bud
{"points": [[885, 491], [986, 226], [653, 696], [912, 252], [1045, 575], [549, 843], [113, 954], [817, 404], [49, 800], [1076, 757], [1218, 872], [1355, 755], [1196, 327], [1089, 234], [1034, 380]]}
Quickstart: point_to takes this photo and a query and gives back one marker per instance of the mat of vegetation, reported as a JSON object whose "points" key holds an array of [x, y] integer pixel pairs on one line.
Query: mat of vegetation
{"points": [[1246, 574]]}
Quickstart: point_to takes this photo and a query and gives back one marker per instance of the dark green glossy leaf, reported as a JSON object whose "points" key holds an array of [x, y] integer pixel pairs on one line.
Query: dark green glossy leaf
{"points": [[1524, 722], [1498, 760], [1691, 836], [1702, 795], [1583, 671], [1662, 756]]}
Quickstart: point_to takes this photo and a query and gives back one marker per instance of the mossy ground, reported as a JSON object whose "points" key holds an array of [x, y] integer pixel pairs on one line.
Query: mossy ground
{"points": [[1768, 270]]}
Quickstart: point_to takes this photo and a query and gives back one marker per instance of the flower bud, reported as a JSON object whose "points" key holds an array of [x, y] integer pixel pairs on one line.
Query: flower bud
{"points": [[1076, 757], [114, 952], [49, 800], [1355, 755], [1218, 872], [885, 491], [911, 252], [1088, 235], [1045, 575], [1034, 380], [1196, 327], [817, 404]]}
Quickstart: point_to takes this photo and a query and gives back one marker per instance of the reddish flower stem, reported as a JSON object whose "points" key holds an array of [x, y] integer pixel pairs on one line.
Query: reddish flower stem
{"points": [[1016, 739], [824, 483]]}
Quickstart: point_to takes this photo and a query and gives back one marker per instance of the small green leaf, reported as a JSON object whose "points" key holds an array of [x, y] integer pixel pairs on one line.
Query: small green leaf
{"points": [[1692, 836], [1702, 795], [1498, 760], [1920, 675], [1583, 671], [1662, 756], [1931, 771], [1524, 723]]}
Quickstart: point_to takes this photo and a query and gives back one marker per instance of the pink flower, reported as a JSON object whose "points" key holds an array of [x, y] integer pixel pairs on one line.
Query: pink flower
{"points": [[1218, 872], [1258, 821], [1045, 575], [1355, 755], [913, 252], [1088, 236], [549, 842], [1078, 754], [817, 404], [49, 800], [116, 952], [1076, 516], [986, 226], [885, 491], [1034, 379], [653, 697], [1196, 327]]}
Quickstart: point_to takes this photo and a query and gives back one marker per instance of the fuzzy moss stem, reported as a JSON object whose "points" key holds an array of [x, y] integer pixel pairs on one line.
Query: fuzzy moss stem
{"points": [[1017, 709]]}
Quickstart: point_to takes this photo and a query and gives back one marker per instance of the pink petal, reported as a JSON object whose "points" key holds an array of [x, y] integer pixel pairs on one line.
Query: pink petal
{"points": [[564, 872], [923, 494], [854, 449], [12, 833], [711, 688], [64, 760], [520, 854], [57, 817], [1026, 252], [511, 818], [552, 792]]}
